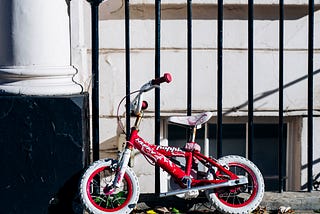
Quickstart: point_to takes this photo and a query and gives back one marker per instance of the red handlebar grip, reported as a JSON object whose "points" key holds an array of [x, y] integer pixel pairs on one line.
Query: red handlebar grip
{"points": [[165, 78]]}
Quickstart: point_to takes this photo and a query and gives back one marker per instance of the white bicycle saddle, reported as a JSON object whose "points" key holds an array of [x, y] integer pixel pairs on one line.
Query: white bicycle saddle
{"points": [[194, 120]]}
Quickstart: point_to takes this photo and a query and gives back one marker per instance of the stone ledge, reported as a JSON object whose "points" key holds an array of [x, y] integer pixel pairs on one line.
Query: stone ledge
{"points": [[296, 200], [300, 202]]}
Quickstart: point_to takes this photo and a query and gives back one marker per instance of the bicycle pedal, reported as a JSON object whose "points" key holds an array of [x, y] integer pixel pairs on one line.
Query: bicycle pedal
{"points": [[191, 194]]}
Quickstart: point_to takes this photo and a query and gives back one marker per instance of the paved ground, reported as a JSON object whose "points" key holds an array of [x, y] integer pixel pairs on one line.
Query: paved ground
{"points": [[300, 202], [296, 200]]}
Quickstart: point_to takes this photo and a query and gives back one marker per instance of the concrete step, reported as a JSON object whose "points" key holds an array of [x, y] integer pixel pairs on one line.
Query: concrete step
{"points": [[300, 202]]}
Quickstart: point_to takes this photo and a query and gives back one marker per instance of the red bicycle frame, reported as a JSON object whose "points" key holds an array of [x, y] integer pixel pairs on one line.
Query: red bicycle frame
{"points": [[161, 155]]}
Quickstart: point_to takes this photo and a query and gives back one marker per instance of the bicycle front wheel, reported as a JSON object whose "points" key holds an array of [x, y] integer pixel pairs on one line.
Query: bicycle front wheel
{"points": [[242, 198], [94, 192]]}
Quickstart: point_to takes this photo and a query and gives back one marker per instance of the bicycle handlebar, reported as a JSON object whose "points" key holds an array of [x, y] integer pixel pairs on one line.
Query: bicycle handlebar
{"points": [[165, 78], [138, 103]]}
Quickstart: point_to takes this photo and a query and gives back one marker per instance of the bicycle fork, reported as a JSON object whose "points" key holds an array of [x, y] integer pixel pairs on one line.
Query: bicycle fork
{"points": [[124, 160], [122, 167]]}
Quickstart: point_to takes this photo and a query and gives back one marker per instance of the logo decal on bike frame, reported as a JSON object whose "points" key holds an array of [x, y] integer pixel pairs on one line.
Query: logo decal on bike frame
{"points": [[168, 149], [152, 154]]}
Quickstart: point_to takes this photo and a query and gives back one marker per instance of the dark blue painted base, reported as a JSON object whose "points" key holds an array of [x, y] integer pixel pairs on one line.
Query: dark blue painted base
{"points": [[44, 146]]}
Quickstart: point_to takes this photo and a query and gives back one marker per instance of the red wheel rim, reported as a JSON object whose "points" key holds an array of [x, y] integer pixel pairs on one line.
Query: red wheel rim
{"points": [[254, 187], [128, 197]]}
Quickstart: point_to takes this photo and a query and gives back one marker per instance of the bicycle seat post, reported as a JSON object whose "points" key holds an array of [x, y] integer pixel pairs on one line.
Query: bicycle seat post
{"points": [[193, 133]]}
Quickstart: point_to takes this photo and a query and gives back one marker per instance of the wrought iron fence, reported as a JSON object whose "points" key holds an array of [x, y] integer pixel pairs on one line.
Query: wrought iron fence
{"points": [[219, 73]]}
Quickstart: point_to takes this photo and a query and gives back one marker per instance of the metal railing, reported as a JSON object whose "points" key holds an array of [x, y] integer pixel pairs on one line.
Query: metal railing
{"points": [[219, 73]]}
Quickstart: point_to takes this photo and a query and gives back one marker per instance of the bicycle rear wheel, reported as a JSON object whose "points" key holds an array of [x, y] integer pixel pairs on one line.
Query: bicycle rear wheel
{"points": [[242, 198], [96, 196]]}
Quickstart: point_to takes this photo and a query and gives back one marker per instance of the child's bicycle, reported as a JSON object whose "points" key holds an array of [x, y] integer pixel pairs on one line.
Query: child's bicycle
{"points": [[232, 183]]}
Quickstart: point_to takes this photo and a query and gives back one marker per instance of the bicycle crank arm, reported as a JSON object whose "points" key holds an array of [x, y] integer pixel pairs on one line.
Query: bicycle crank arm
{"points": [[240, 181]]}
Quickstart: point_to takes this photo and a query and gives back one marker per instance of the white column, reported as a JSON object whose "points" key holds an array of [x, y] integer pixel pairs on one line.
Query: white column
{"points": [[35, 48], [79, 56]]}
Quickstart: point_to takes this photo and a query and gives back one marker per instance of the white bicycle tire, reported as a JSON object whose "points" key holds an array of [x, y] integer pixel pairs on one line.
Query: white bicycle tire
{"points": [[254, 202], [92, 207]]}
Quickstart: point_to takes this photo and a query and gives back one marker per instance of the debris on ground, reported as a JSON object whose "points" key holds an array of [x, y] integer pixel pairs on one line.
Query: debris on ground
{"points": [[162, 210], [151, 212], [260, 210], [283, 209]]}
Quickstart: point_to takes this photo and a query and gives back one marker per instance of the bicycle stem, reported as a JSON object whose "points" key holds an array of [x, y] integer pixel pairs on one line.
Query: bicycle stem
{"points": [[137, 121]]}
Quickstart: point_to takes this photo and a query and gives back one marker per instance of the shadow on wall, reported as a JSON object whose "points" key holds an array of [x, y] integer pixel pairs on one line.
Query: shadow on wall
{"points": [[316, 178], [114, 9], [270, 92], [110, 147]]}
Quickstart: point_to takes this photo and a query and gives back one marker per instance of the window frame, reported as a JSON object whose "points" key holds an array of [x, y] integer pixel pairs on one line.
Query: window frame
{"points": [[293, 142]]}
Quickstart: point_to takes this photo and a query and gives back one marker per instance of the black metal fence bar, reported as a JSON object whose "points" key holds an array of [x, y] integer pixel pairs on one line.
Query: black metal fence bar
{"points": [[189, 57], [281, 38], [250, 79], [157, 90], [219, 78], [310, 95], [127, 46], [95, 78]]}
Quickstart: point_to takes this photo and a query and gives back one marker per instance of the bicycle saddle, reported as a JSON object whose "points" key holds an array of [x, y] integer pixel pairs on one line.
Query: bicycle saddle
{"points": [[194, 120]]}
